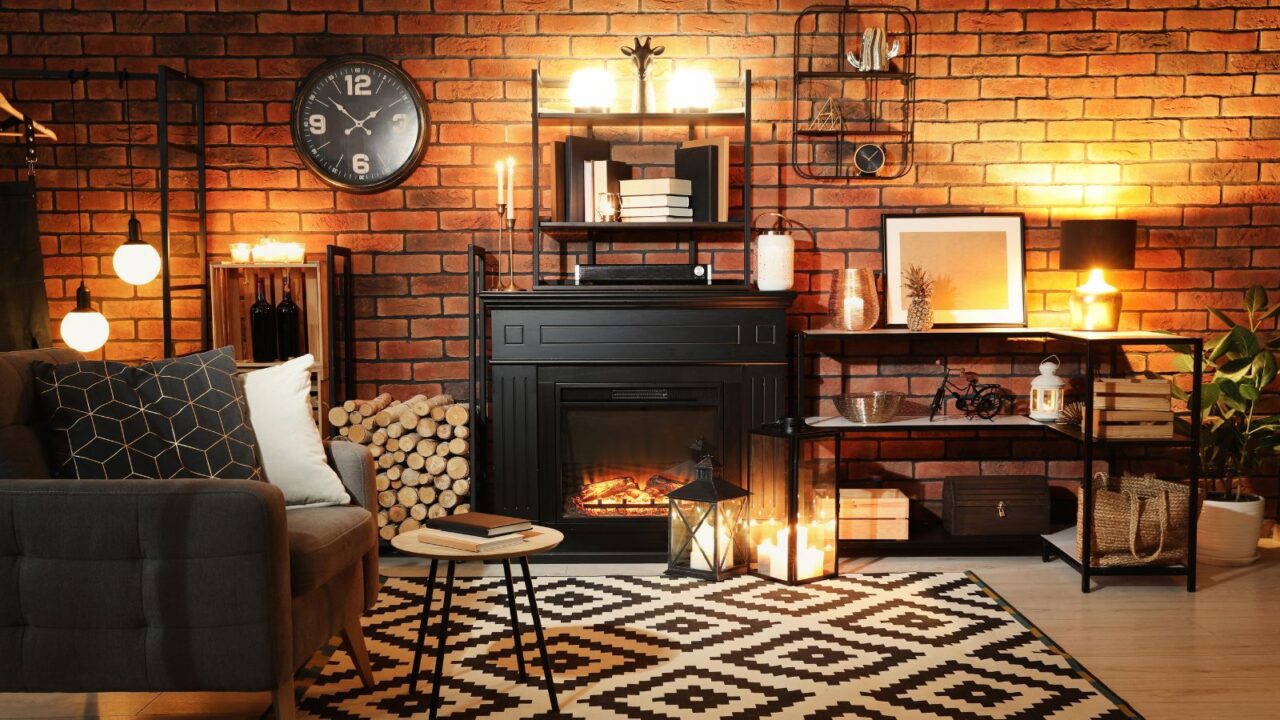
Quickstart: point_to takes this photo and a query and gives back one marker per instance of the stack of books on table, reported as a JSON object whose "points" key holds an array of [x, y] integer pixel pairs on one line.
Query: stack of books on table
{"points": [[475, 532], [1132, 409], [656, 200]]}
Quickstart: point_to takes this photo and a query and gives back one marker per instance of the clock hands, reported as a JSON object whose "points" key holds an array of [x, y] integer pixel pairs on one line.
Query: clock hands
{"points": [[358, 123]]}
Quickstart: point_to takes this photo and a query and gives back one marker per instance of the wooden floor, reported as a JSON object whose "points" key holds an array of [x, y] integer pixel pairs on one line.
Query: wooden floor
{"points": [[1212, 654]]}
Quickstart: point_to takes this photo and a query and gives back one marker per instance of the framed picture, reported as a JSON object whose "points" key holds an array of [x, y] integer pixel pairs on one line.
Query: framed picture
{"points": [[977, 263]]}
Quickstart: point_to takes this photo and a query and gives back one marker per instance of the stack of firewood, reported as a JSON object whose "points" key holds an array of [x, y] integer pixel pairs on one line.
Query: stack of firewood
{"points": [[420, 447]]}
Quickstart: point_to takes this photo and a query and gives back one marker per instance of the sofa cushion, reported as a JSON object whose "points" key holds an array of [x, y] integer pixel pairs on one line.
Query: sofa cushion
{"points": [[325, 540], [179, 417], [195, 404], [96, 427]]}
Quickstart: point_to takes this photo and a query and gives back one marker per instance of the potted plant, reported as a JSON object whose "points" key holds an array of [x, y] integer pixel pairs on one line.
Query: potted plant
{"points": [[1236, 433]]}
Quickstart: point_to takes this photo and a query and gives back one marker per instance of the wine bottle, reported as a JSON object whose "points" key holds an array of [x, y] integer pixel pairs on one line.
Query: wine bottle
{"points": [[262, 326], [287, 316]]}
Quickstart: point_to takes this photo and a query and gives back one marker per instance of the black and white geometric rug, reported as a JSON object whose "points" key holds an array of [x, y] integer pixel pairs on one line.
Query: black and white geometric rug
{"points": [[867, 646]]}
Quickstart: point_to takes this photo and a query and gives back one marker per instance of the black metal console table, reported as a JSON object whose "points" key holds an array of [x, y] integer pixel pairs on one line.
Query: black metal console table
{"points": [[1096, 348]]}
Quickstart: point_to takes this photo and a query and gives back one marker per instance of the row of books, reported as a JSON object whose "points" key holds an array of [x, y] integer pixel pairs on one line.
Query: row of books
{"points": [[583, 170], [474, 532]]}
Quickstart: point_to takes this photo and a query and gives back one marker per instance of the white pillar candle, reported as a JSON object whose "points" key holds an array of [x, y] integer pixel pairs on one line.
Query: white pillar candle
{"points": [[511, 188], [775, 261], [702, 538]]}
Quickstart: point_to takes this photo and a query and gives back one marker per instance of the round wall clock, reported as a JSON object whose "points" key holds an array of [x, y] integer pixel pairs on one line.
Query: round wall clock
{"points": [[868, 158], [360, 123]]}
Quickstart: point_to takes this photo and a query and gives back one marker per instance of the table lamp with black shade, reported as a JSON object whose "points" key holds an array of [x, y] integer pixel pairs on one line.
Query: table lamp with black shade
{"points": [[1095, 246]]}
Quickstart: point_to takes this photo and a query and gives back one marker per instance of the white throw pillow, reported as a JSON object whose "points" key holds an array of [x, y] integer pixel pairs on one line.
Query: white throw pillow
{"points": [[288, 441]]}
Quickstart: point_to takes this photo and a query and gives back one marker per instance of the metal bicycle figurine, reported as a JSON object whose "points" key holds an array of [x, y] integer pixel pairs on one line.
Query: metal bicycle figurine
{"points": [[983, 400]]}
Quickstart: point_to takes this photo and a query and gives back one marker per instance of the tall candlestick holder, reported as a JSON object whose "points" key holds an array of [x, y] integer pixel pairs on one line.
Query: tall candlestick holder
{"points": [[508, 283]]}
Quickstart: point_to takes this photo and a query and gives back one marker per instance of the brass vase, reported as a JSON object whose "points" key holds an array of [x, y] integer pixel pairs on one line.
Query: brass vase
{"points": [[854, 303]]}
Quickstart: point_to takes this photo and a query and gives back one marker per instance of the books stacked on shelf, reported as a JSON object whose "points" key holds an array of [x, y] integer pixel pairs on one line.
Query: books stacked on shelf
{"points": [[583, 171], [1132, 409], [656, 200], [475, 532]]}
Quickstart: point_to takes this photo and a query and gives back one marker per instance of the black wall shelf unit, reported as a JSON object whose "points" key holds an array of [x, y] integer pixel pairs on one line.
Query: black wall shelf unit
{"points": [[1098, 349], [596, 232], [837, 109]]}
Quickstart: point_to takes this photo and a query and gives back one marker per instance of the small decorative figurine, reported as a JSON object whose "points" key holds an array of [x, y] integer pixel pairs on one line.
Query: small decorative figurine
{"points": [[876, 52], [828, 116], [642, 55], [919, 288], [983, 400]]}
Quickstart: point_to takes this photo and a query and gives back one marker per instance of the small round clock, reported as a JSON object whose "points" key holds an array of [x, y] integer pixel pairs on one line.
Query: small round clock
{"points": [[360, 123], [868, 158]]}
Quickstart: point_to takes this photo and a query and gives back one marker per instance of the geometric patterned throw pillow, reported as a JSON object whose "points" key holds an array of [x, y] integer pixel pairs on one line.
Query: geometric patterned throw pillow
{"points": [[175, 418], [96, 427], [195, 404]]}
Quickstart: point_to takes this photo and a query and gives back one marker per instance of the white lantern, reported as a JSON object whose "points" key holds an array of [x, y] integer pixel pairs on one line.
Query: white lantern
{"points": [[1048, 391], [776, 257]]}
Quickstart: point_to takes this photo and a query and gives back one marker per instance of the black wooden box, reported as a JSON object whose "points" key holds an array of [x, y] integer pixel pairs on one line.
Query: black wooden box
{"points": [[1010, 505]]}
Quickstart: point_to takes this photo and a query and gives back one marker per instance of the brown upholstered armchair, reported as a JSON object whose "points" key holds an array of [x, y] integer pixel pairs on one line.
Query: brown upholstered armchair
{"points": [[170, 585]]}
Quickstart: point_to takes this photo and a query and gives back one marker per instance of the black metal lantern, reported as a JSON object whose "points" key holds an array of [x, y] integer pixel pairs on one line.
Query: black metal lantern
{"points": [[708, 528], [792, 479]]}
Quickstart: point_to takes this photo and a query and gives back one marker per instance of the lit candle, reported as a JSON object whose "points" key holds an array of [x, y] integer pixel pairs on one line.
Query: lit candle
{"points": [[703, 539], [498, 171], [241, 252], [511, 188], [293, 252]]}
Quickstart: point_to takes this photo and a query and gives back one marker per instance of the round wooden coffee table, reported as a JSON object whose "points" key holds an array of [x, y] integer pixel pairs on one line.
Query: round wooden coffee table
{"points": [[538, 539]]}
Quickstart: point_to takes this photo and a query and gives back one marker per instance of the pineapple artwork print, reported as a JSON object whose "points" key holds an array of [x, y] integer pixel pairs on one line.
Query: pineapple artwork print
{"points": [[919, 288]]}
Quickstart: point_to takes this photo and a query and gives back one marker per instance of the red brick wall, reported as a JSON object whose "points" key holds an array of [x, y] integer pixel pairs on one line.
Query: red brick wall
{"points": [[1167, 111]]}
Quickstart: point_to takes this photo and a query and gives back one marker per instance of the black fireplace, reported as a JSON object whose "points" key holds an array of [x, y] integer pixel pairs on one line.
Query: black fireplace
{"points": [[602, 402]]}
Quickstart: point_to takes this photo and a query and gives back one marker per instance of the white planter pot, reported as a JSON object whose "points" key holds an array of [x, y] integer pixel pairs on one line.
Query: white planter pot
{"points": [[1227, 533]]}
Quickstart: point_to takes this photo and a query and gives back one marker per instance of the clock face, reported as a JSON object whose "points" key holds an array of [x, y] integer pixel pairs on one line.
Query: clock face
{"points": [[359, 123], [869, 159]]}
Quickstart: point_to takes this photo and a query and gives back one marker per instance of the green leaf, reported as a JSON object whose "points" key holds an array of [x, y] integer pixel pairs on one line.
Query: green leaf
{"points": [[1184, 362], [1249, 392], [1179, 393], [1209, 395], [1255, 298], [1232, 342], [1223, 317], [1274, 311], [1236, 369]]}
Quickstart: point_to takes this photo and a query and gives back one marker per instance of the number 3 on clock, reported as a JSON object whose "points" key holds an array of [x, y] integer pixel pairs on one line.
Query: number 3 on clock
{"points": [[359, 123]]}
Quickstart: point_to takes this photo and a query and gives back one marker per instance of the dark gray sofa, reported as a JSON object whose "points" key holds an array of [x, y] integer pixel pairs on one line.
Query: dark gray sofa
{"points": [[170, 585]]}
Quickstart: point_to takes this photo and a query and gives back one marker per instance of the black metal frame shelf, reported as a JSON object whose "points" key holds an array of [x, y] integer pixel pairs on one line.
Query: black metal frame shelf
{"points": [[896, 134], [162, 78], [1093, 345], [622, 231]]}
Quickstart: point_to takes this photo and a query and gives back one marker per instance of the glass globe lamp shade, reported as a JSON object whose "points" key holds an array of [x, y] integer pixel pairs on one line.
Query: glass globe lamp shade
{"points": [[84, 328], [592, 90], [135, 261], [692, 90]]}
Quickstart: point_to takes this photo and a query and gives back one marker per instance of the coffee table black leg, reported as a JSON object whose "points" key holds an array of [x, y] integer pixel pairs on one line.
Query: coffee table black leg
{"points": [[515, 621], [422, 628], [537, 630], [440, 641]]}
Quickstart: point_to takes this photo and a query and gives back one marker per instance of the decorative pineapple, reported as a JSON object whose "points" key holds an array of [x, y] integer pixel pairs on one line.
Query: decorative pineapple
{"points": [[920, 289]]}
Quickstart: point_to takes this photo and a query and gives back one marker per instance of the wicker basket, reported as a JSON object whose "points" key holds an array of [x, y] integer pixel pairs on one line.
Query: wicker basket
{"points": [[1136, 521]]}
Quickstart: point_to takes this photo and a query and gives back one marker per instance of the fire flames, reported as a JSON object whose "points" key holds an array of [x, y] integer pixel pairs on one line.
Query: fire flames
{"points": [[610, 494]]}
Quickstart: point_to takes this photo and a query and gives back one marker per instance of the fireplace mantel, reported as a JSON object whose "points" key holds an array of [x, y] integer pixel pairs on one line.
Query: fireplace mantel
{"points": [[727, 344]]}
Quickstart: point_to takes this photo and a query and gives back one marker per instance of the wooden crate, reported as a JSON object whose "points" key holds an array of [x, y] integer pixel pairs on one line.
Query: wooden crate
{"points": [[873, 514], [1132, 408], [232, 292]]}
